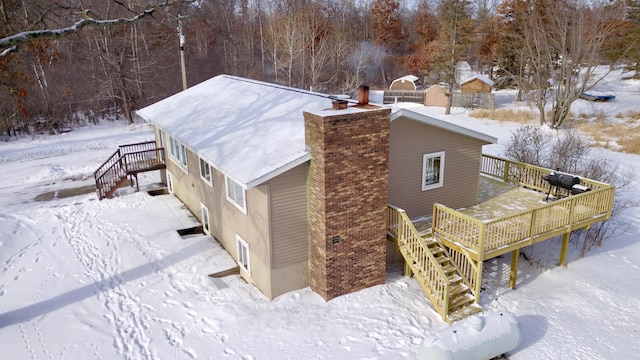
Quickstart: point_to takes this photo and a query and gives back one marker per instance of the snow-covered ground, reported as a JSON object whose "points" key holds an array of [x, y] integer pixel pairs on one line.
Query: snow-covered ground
{"points": [[88, 279]]}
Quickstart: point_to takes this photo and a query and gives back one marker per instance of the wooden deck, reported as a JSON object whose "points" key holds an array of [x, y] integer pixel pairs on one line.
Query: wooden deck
{"points": [[127, 162], [513, 212]]}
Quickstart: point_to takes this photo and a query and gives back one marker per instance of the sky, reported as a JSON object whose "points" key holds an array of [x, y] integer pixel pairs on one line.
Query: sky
{"points": [[87, 279]]}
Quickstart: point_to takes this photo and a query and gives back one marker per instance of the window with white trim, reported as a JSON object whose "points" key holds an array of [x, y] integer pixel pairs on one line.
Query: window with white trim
{"points": [[178, 152], [236, 194], [243, 253], [432, 170], [205, 171], [170, 182], [161, 141], [204, 211]]}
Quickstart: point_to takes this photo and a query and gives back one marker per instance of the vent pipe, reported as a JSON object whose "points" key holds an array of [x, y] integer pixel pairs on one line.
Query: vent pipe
{"points": [[363, 95]]}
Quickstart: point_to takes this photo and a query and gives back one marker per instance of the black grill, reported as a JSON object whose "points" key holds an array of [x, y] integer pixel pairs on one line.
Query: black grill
{"points": [[565, 181]]}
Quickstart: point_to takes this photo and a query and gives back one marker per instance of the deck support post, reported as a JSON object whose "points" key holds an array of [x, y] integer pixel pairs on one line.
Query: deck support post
{"points": [[563, 249], [407, 269], [513, 275], [478, 282]]}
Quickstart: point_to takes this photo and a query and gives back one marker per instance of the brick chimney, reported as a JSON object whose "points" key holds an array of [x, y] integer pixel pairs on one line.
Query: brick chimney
{"points": [[347, 195]]}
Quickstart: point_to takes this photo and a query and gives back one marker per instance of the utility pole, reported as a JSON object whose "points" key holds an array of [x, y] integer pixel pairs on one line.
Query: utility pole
{"points": [[182, 40]]}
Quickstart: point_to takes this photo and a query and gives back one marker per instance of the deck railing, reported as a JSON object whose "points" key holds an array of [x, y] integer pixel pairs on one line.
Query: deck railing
{"points": [[488, 238], [142, 146], [527, 175], [143, 160], [420, 259], [128, 160]]}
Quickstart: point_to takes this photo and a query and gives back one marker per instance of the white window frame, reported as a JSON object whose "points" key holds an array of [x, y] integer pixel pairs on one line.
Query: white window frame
{"points": [[205, 171], [427, 172], [206, 220], [161, 142], [243, 254], [169, 182], [178, 153], [234, 190]]}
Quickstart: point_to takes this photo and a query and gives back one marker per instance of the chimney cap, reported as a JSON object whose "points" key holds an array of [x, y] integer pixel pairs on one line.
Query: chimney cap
{"points": [[339, 104]]}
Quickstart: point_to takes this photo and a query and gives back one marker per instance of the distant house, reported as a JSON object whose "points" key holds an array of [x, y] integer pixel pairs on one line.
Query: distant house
{"points": [[295, 184], [407, 82], [477, 84]]}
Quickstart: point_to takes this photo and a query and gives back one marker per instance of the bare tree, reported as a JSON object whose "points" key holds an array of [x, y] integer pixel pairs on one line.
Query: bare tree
{"points": [[11, 43], [44, 57], [561, 44], [453, 39]]}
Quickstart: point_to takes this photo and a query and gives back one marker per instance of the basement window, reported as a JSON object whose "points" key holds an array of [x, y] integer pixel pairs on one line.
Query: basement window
{"points": [[243, 253], [432, 170], [205, 171], [170, 182], [204, 210], [236, 194], [178, 153]]}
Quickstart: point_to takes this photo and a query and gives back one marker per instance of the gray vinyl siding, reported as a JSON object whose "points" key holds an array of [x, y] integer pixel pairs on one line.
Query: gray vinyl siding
{"points": [[290, 233], [410, 140]]}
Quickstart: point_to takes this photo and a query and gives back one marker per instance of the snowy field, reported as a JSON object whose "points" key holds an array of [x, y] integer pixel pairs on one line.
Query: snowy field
{"points": [[88, 279]]}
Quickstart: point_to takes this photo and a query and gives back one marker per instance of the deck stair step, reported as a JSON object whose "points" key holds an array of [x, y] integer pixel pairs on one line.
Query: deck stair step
{"points": [[464, 312], [460, 301], [458, 289]]}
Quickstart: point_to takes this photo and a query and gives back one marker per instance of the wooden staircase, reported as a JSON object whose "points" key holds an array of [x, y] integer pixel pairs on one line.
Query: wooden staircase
{"points": [[462, 301], [126, 163], [448, 277]]}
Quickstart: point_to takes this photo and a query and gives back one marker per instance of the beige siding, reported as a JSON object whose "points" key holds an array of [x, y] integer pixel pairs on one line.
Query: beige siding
{"points": [[289, 217], [409, 141], [226, 220], [475, 86], [289, 231]]}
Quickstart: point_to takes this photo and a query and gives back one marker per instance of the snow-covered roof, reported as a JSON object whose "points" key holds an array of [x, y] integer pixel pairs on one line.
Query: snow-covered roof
{"points": [[482, 77], [249, 130], [411, 78], [253, 131], [419, 114]]}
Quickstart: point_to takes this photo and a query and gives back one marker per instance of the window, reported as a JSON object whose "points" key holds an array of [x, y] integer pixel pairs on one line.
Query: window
{"points": [[432, 170], [235, 194], [243, 253], [178, 152], [170, 182], [205, 218], [205, 171], [161, 141]]}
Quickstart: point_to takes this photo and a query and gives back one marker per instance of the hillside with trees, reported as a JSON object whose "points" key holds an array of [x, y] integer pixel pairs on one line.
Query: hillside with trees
{"points": [[69, 62]]}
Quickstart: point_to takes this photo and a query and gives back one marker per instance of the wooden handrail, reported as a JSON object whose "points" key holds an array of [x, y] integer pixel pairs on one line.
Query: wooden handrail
{"points": [[127, 160], [115, 156], [548, 220], [141, 146], [421, 260], [527, 175]]}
